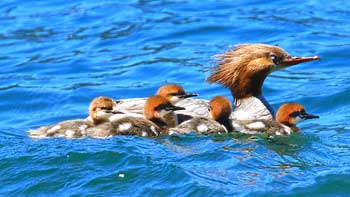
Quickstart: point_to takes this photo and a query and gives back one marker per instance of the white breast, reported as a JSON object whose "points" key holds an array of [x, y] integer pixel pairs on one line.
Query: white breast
{"points": [[251, 109]]}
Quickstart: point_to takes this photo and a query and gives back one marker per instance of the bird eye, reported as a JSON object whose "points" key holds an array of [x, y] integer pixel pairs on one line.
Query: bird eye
{"points": [[275, 59], [294, 114], [106, 108], [160, 107], [168, 108], [302, 113]]}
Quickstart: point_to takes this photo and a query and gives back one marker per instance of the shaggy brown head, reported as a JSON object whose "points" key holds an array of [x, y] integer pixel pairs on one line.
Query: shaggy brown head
{"points": [[174, 93], [244, 68], [101, 108], [290, 114]]}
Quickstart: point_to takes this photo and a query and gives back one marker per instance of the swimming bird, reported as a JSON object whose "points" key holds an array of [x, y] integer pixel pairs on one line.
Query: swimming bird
{"points": [[217, 122], [287, 117], [100, 109], [290, 114], [243, 70]]}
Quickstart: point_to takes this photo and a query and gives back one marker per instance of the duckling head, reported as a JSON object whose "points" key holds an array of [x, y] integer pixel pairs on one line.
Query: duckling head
{"points": [[174, 93], [290, 114]]}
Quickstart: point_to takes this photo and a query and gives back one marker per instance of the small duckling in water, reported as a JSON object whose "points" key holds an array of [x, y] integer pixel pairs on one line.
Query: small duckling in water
{"points": [[290, 114], [101, 108]]}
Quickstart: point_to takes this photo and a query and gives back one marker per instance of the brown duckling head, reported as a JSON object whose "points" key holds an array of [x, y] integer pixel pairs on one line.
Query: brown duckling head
{"points": [[101, 108], [290, 114], [174, 93]]}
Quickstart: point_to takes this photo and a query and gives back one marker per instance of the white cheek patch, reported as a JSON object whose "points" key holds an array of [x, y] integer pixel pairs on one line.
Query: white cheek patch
{"points": [[202, 128], [174, 99], [144, 134], [54, 129], [124, 126], [298, 119]]}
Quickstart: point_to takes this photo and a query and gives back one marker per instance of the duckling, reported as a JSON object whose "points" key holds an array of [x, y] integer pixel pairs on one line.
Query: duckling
{"points": [[290, 114], [101, 108]]}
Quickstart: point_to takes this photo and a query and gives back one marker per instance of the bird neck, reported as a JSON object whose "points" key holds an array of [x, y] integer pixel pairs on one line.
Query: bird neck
{"points": [[248, 83], [267, 105]]}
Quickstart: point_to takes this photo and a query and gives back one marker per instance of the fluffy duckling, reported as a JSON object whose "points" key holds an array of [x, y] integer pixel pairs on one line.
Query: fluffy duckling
{"points": [[290, 114], [101, 108]]}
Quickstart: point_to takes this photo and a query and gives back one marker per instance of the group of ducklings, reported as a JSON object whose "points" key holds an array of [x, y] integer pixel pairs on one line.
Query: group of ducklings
{"points": [[159, 117]]}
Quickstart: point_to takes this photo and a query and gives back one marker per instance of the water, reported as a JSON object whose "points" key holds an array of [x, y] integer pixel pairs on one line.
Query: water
{"points": [[57, 55]]}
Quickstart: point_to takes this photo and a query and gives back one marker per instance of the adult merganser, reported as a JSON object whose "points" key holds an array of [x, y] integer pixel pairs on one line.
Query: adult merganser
{"points": [[219, 113], [100, 110], [242, 70]]}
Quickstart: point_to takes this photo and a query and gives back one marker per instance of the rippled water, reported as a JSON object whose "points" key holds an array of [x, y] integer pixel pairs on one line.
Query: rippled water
{"points": [[57, 55]]}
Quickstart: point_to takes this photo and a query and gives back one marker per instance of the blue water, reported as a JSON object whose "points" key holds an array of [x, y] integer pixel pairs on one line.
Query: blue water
{"points": [[57, 55]]}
